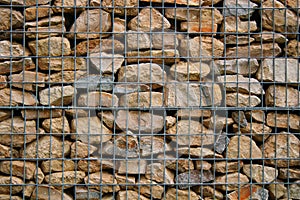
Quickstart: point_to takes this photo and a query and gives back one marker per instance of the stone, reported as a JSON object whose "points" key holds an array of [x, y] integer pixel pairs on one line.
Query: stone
{"points": [[12, 51], [91, 30], [198, 152], [132, 166], [15, 131], [201, 48], [13, 97], [93, 164], [66, 77], [26, 80], [147, 73], [10, 184], [160, 174], [98, 99], [150, 188], [292, 49], [90, 130], [62, 64], [281, 120], [280, 70], [94, 82], [33, 13], [170, 121], [28, 189], [25, 3], [165, 56], [258, 132], [241, 8], [243, 147], [203, 27], [139, 121], [173, 194], [195, 113], [282, 150], [282, 96], [260, 173], [289, 173], [77, 112], [231, 181], [57, 95], [277, 190], [53, 46], [232, 24], [119, 7], [239, 118], [255, 50], [147, 20], [14, 66], [249, 192], [180, 94], [106, 63], [266, 37], [41, 114], [221, 142], [57, 166], [69, 6], [18, 168], [102, 181], [43, 192], [177, 164], [228, 167], [46, 22], [255, 115], [8, 152], [151, 145], [130, 194], [57, 126], [285, 21], [293, 190], [3, 81], [82, 150], [166, 40], [83, 193], [119, 28], [192, 178], [191, 133], [202, 165], [142, 99], [237, 40], [238, 83], [242, 100], [45, 32], [38, 176], [108, 118], [4, 114], [125, 88], [188, 71], [47, 147], [65, 179], [10, 18], [136, 40], [126, 181], [241, 66]]}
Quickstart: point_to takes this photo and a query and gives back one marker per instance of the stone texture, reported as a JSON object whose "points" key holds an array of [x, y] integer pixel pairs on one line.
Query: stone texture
{"points": [[146, 73], [126, 181], [292, 48], [236, 66], [57, 95], [33, 13], [232, 181], [188, 71], [106, 63], [119, 7], [15, 97], [57, 166], [11, 50], [91, 30], [69, 6], [41, 114], [242, 100], [203, 27], [90, 130], [59, 64], [284, 147], [130, 194], [120, 88], [18, 168], [65, 179], [198, 152], [93, 164], [166, 40], [177, 164], [260, 173], [15, 182], [82, 150], [208, 192], [137, 40], [173, 194], [239, 118], [265, 36], [289, 173], [58, 125], [43, 193], [83, 193], [45, 32], [132, 166], [66, 77], [243, 147], [193, 177], [232, 24], [98, 99], [281, 120], [150, 188], [20, 80], [160, 174], [142, 100], [7, 152], [277, 190], [228, 167], [3, 81], [195, 113], [241, 8], [293, 191], [13, 66], [258, 132], [25, 3], [249, 192], [282, 96], [96, 82], [53, 46], [256, 115], [237, 40], [150, 145], [38, 176], [10, 19]]}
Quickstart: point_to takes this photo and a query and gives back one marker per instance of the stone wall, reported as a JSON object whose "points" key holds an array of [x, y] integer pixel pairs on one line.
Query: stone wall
{"points": [[200, 101]]}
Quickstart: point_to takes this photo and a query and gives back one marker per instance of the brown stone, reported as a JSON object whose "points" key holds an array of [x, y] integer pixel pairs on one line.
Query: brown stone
{"points": [[148, 19], [46, 22], [130, 194], [93, 164], [241, 66], [77, 112], [53, 46], [98, 99], [83, 193], [108, 118], [188, 71], [233, 24], [33, 13], [228, 167], [165, 56], [139, 121], [259, 173], [13, 97], [265, 36], [293, 190], [202, 165], [66, 77], [241, 100], [41, 114], [126, 181], [285, 21], [57, 166], [62, 64], [232, 181], [258, 132], [13, 66], [256, 115], [170, 121], [3, 81], [173, 194], [69, 6], [248, 192], [18, 168], [38, 176], [10, 18], [289, 173], [217, 123], [142, 99], [183, 114], [165, 40], [20, 80], [148, 73], [281, 120], [45, 32], [292, 49], [150, 188], [243, 147], [58, 125], [90, 130], [237, 40], [255, 50], [282, 96], [25, 3], [28, 189], [94, 82], [150, 145], [277, 190], [91, 30], [4, 114], [242, 8], [47, 147], [198, 152], [8, 152], [282, 150], [160, 174], [82, 150], [177, 164], [10, 184], [57, 95], [105, 179], [65, 179], [203, 27], [209, 192], [106, 63], [12, 51], [119, 28], [193, 177], [137, 40], [43, 192], [119, 7], [16, 132], [136, 166], [201, 48]]}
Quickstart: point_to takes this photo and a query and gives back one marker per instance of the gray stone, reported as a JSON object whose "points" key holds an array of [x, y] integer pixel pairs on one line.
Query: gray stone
{"points": [[236, 66], [136, 40], [233, 25], [106, 63], [240, 8], [95, 82], [193, 177]]}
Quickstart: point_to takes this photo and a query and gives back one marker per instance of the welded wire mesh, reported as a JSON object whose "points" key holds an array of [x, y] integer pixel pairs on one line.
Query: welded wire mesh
{"points": [[149, 99]]}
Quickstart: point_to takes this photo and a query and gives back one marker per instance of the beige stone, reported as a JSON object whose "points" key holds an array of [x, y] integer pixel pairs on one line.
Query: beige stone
{"points": [[242, 100], [217, 123], [150, 188], [282, 96], [119, 28], [126, 181], [10, 184], [132, 166], [83, 193], [198, 152], [160, 174], [41, 114], [28, 189], [3, 81], [265, 36], [43, 192], [98, 99], [46, 22], [194, 113], [77, 112], [247, 192], [45, 32], [237, 40], [202, 165], [277, 190], [142, 99], [137, 40], [26, 80], [256, 115], [82, 150], [57, 95], [203, 27], [15, 97], [91, 30], [209, 191], [241, 66], [13, 66], [150, 145], [173, 194], [69, 6], [130, 194], [10, 18], [65, 179], [93, 164], [107, 181], [57, 166], [189, 71], [62, 64], [232, 181], [289, 173], [177, 164], [53, 46], [8, 152], [33, 13], [119, 7], [108, 118], [260, 173], [38, 176], [25, 3], [18, 168], [58, 125], [165, 40], [232, 24], [281, 120], [258, 132], [293, 190], [193, 177], [12, 51], [106, 63], [66, 77], [282, 150], [228, 166]]}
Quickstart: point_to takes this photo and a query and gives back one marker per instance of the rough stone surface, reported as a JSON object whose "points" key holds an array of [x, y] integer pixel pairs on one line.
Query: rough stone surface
{"points": [[150, 189], [65, 179], [249, 192], [15, 97], [106, 63], [25, 3], [11, 50], [15, 182], [193, 177], [16, 66], [188, 71], [57, 166], [43, 193], [242, 8], [239, 118], [66, 77], [58, 125], [68, 6], [19, 168], [233, 24], [82, 150], [57, 95], [165, 40], [19, 80], [98, 99], [242, 100], [41, 114], [282, 96], [45, 22], [160, 174], [234, 181], [173, 194], [203, 27], [120, 7], [286, 173], [198, 152], [259, 132], [53, 46], [259, 173], [256, 115], [292, 48], [142, 100], [265, 36], [7, 152], [277, 190], [10, 18], [228, 167], [130, 194], [281, 120], [237, 40], [237, 66], [93, 164], [96, 82], [59, 64], [132, 166], [32, 13], [294, 190], [107, 179]]}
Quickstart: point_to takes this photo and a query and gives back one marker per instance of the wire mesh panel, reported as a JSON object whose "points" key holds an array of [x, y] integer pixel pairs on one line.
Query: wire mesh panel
{"points": [[149, 99]]}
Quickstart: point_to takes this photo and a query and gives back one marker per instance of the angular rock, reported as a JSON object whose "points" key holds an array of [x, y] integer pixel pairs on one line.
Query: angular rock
{"points": [[217, 123], [221, 143], [57, 166], [38, 176], [28, 189], [139, 121], [142, 99], [10, 185], [289, 173], [241, 8], [228, 167], [147, 73], [82, 150], [46, 22], [41, 114], [232, 181], [292, 49], [237, 40], [150, 145], [259, 173], [108, 118], [53, 46], [193, 177], [243, 147], [43, 192], [256, 115], [119, 7], [69, 6], [258, 132], [238, 83], [293, 190], [10, 18], [147, 20], [282, 96], [150, 188], [56, 125], [83, 193], [183, 114], [13, 66], [62, 64], [13, 97], [232, 24], [242, 100], [165, 40], [136, 40], [239, 118], [249, 192], [57, 95], [66, 77], [107, 181], [95, 82], [173, 194], [160, 174], [126, 181], [202, 165], [8, 152], [198, 152], [201, 48], [18, 168], [45, 32], [281, 120], [119, 28], [106, 63], [281, 70], [203, 27], [90, 130], [20, 80], [98, 99], [130, 194], [25, 3], [132, 166], [282, 150], [3, 81], [47, 147], [277, 190], [241, 66], [188, 71], [91, 30], [177, 164], [120, 88], [92, 164], [265, 37], [33, 13], [65, 179], [12, 51]]}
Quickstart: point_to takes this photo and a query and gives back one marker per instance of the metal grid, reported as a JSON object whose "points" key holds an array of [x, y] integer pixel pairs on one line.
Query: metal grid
{"points": [[203, 119]]}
